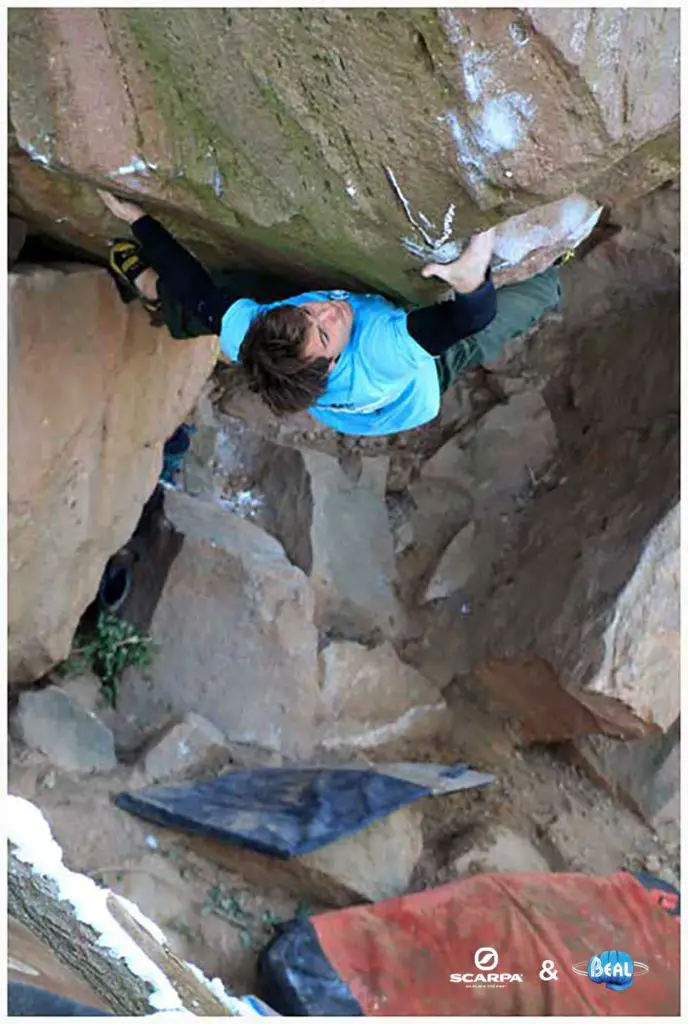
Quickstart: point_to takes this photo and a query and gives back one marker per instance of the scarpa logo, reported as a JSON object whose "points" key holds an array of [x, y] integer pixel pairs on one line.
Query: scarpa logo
{"points": [[614, 969], [486, 960]]}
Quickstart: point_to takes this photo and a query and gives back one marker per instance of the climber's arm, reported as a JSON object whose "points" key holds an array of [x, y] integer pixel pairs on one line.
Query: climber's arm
{"points": [[473, 306], [436, 328], [183, 274]]}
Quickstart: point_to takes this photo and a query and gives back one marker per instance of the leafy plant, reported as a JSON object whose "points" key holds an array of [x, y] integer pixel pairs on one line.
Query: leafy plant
{"points": [[113, 646]]}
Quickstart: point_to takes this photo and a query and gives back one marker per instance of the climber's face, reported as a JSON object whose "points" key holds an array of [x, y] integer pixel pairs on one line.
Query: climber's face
{"points": [[330, 329]]}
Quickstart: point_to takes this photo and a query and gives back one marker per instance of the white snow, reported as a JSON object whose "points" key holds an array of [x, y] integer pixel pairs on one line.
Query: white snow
{"points": [[237, 1007], [30, 834]]}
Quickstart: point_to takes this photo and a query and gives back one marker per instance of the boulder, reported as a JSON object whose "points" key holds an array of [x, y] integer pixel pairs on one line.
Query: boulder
{"points": [[70, 735], [85, 689], [297, 141], [499, 849], [509, 448], [642, 643], [188, 750], [530, 242], [370, 698], [455, 567], [544, 710], [374, 864], [94, 391], [235, 636], [590, 580], [645, 774], [353, 568]]}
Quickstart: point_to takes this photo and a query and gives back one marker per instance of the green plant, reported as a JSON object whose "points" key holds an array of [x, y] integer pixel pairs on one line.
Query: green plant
{"points": [[113, 646]]}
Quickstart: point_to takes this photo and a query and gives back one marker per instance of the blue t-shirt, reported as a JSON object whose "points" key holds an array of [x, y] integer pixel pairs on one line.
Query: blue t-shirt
{"points": [[383, 381]]}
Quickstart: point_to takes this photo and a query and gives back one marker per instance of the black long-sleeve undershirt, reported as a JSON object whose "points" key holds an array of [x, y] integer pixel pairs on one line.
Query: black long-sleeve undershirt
{"points": [[186, 277], [436, 328]]}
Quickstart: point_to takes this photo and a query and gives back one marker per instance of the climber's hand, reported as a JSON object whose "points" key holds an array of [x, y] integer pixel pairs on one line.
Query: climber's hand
{"points": [[121, 207], [468, 272]]}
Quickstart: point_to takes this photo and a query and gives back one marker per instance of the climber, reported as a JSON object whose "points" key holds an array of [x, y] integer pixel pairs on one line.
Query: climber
{"points": [[356, 362]]}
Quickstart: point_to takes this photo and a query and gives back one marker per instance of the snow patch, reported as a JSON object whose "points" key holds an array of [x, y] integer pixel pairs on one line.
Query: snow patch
{"points": [[215, 985], [30, 834]]}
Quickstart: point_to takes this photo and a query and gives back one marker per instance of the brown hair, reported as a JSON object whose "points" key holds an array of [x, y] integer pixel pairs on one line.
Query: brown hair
{"points": [[271, 355]]}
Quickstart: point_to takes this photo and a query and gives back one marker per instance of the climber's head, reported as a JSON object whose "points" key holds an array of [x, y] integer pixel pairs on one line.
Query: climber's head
{"points": [[289, 351]]}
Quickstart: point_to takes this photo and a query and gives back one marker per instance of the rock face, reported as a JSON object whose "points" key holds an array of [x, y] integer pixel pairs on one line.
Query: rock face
{"points": [[455, 567], [89, 411], [298, 132], [641, 662], [235, 635], [374, 864], [70, 735], [500, 849], [187, 750], [353, 568], [591, 582], [510, 446], [369, 697]]}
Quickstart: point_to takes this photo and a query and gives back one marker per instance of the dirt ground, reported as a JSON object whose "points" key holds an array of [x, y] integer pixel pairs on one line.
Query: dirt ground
{"points": [[213, 917], [217, 920]]}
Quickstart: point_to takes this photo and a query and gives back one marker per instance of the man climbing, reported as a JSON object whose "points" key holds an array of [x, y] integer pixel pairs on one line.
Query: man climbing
{"points": [[357, 363]]}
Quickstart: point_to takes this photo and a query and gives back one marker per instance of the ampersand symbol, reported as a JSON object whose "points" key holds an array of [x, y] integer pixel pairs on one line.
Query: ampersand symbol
{"points": [[548, 971]]}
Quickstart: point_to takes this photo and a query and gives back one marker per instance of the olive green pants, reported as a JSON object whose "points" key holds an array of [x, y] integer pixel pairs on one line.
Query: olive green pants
{"points": [[519, 306]]}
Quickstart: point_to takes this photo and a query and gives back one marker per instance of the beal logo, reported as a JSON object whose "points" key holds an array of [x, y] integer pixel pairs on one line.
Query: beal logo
{"points": [[486, 961], [614, 969]]}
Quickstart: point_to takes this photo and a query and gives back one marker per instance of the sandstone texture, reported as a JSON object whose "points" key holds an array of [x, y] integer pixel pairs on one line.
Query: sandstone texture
{"points": [[235, 635], [89, 411], [369, 698], [499, 849], [374, 864], [353, 569], [510, 446], [641, 662], [455, 567], [348, 145], [189, 749], [70, 735], [590, 583]]}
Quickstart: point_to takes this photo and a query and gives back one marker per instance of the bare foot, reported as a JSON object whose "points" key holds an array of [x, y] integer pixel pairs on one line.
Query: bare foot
{"points": [[468, 272]]}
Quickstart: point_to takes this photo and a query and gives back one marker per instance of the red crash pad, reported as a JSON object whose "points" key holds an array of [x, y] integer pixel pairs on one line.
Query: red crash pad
{"points": [[398, 957]]}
